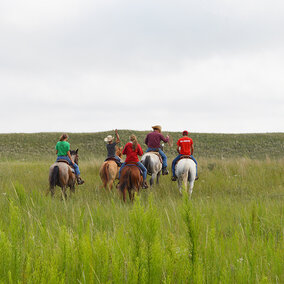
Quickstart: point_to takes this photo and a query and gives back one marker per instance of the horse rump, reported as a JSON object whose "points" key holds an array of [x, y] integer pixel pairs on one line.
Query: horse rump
{"points": [[54, 179]]}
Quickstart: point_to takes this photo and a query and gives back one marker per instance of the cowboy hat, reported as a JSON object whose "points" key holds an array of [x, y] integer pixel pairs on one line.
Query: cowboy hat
{"points": [[158, 127], [108, 138]]}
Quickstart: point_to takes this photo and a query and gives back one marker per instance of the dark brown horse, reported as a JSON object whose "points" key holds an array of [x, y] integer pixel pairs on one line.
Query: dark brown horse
{"points": [[130, 180], [61, 174]]}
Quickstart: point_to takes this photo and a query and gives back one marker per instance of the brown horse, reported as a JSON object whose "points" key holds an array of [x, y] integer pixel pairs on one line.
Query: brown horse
{"points": [[130, 180], [109, 170], [62, 174]]}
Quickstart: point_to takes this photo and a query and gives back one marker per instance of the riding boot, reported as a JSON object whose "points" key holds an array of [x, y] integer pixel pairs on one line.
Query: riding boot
{"points": [[165, 171], [145, 185], [197, 177], [79, 180], [174, 178]]}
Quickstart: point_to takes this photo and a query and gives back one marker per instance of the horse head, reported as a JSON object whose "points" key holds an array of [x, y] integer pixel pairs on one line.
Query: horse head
{"points": [[74, 155]]}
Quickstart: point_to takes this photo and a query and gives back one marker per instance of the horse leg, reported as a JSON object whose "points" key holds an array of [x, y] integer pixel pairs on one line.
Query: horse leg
{"points": [[124, 194], [180, 185], [158, 177], [64, 194], [110, 185], [152, 179], [191, 183], [72, 188], [52, 191]]}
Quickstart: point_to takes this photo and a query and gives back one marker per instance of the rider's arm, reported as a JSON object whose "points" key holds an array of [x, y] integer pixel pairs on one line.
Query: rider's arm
{"points": [[146, 140], [165, 139], [56, 152], [192, 148], [178, 149], [117, 137], [69, 155]]}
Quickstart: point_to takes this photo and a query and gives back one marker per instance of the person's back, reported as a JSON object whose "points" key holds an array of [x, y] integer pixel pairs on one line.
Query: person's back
{"points": [[111, 147], [184, 147], [132, 150], [132, 154], [63, 153], [185, 143], [153, 140]]}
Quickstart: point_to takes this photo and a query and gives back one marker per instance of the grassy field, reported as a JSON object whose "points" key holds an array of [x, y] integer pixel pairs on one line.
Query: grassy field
{"points": [[230, 232]]}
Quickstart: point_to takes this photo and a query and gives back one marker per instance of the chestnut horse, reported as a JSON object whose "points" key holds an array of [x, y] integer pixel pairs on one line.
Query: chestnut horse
{"points": [[62, 174], [109, 170], [130, 180]]}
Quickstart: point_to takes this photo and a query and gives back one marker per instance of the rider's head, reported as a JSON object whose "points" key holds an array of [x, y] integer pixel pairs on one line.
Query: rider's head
{"points": [[157, 128], [134, 141], [185, 133], [63, 137]]}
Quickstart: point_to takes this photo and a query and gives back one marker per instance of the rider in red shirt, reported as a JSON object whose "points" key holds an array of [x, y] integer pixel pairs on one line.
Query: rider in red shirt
{"points": [[132, 149], [184, 147]]}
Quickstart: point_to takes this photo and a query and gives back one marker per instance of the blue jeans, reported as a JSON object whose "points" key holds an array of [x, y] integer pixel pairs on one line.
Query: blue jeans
{"points": [[140, 165], [175, 161], [163, 155], [75, 166]]}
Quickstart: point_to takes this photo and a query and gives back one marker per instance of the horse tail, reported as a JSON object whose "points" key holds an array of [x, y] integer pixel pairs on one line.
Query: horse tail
{"points": [[147, 164], [126, 180], [54, 179]]}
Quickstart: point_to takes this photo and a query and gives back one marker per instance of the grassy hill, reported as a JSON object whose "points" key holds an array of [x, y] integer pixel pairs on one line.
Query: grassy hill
{"points": [[40, 146]]}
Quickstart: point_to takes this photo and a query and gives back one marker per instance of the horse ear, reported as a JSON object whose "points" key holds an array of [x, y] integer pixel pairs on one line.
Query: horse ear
{"points": [[77, 151]]}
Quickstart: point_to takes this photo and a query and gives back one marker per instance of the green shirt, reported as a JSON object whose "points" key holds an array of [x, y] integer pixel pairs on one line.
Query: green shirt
{"points": [[62, 147]]}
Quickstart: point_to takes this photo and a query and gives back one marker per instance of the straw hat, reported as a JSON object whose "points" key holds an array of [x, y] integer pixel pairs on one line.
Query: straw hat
{"points": [[158, 127], [108, 138]]}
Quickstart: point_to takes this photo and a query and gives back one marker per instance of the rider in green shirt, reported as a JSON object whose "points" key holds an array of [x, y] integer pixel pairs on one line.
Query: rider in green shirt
{"points": [[63, 153]]}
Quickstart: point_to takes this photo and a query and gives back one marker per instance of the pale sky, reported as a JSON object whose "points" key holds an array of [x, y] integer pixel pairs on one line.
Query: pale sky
{"points": [[89, 65]]}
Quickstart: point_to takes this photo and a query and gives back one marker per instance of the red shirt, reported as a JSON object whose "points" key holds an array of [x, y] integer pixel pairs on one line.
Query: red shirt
{"points": [[185, 144], [132, 155]]}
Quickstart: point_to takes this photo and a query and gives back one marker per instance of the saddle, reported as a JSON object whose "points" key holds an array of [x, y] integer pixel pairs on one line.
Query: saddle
{"points": [[113, 159], [134, 165], [66, 162], [157, 153], [184, 157]]}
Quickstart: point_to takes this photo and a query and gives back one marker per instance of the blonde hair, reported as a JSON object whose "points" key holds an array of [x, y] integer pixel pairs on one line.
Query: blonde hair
{"points": [[63, 136], [134, 141]]}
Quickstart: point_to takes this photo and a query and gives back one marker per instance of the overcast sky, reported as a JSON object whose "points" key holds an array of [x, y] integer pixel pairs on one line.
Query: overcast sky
{"points": [[96, 65]]}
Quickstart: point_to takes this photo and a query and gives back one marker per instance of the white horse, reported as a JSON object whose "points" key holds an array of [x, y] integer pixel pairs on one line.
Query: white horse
{"points": [[186, 173], [152, 163]]}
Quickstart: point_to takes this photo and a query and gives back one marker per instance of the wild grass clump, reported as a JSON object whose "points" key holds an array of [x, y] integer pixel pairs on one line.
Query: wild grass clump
{"points": [[231, 231]]}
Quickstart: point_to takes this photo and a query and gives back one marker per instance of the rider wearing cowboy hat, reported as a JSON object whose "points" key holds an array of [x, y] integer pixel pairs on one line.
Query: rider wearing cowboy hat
{"points": [[153, 140], [111, 146]]}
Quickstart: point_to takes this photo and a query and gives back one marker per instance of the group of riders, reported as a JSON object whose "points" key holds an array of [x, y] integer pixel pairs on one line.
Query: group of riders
{"points": [[132, 150]]}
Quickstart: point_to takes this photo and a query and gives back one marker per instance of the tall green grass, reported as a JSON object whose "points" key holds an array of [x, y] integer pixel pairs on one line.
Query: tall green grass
{"points": [[231, 231]]}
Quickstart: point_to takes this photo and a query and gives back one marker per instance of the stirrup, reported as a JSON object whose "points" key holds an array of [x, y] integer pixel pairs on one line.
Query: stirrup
{"points": [[80, 181], [165, 171], [145, 185]]}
